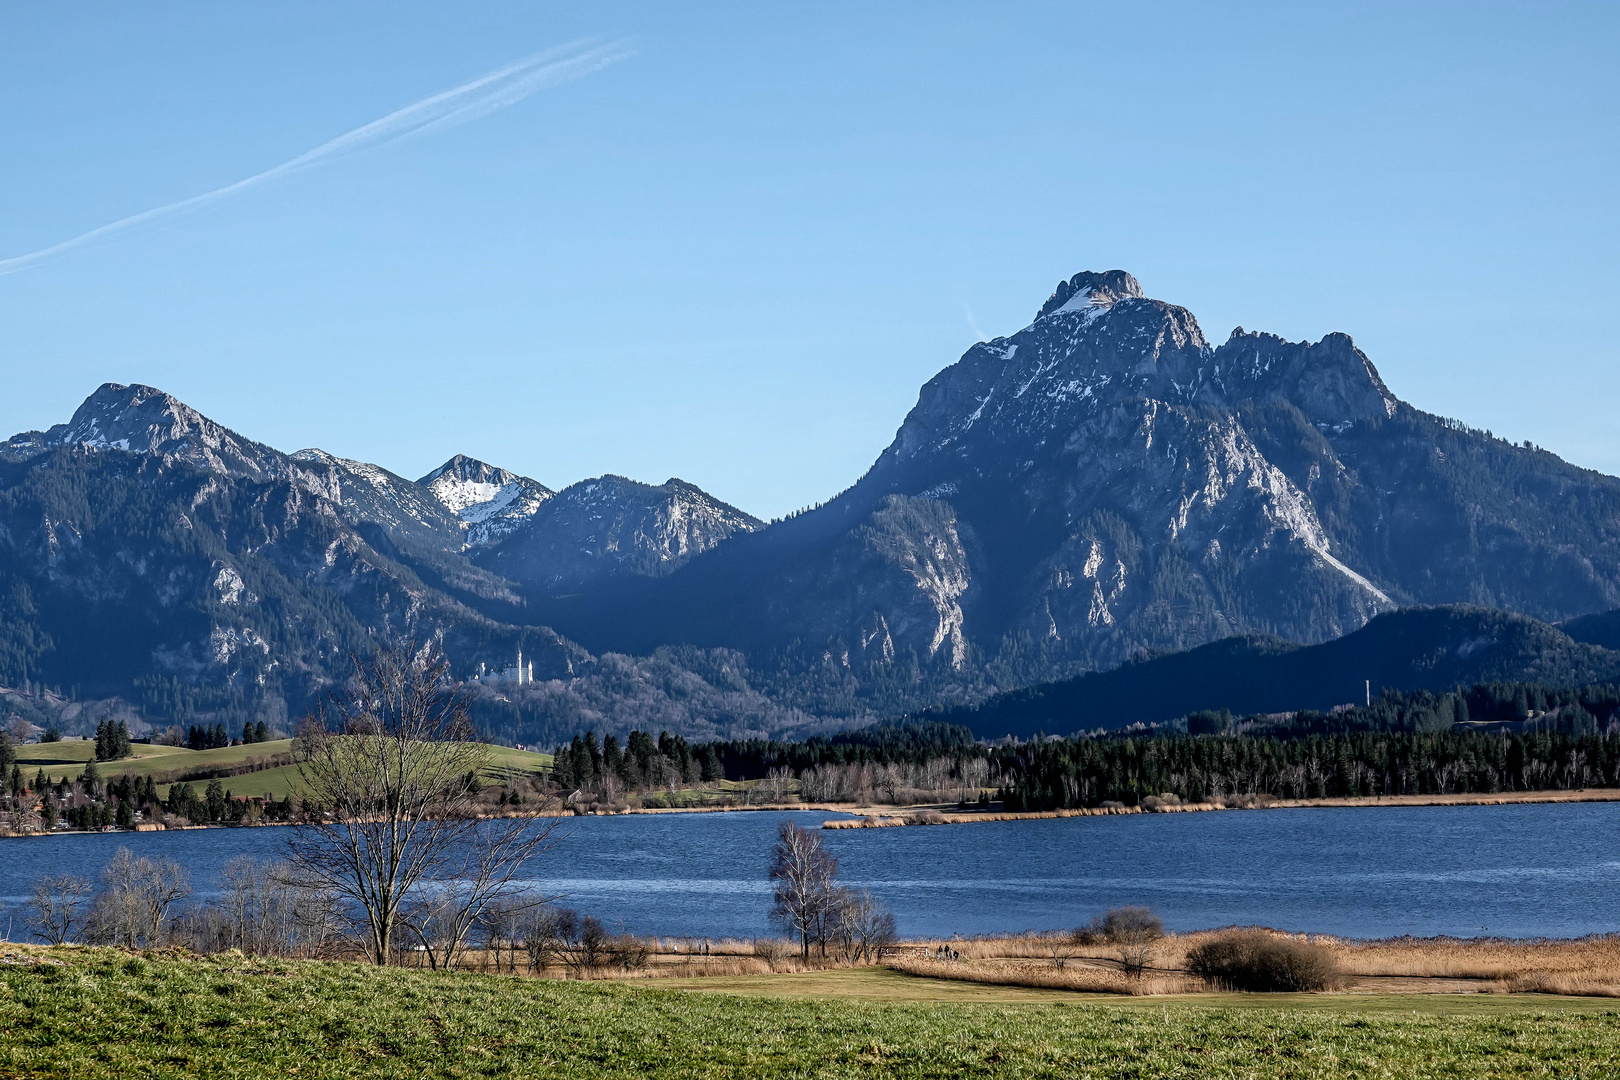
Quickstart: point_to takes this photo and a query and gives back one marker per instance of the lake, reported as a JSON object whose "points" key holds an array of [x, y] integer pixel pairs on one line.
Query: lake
{"points": [[1549, 869]]}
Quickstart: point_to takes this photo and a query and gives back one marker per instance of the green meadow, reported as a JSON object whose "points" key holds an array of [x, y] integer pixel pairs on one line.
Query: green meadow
{"points": [[87, 1013], [66, 759]]}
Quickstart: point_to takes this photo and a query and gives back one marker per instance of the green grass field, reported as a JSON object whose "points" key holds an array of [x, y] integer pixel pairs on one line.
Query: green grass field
{"points": [[100, 1013], [68, 757]]}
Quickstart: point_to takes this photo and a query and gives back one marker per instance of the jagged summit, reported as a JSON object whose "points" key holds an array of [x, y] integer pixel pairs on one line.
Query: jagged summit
{"points": [[490, 501], [612, 525], [1091, 288], [145, 420]]}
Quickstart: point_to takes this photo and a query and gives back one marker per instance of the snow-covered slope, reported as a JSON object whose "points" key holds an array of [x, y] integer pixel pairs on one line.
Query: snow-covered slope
{"points": [[491, 502]]}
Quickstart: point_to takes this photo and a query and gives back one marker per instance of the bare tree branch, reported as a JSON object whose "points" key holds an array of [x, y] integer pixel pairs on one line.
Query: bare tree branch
{"points": [[390, 768]]}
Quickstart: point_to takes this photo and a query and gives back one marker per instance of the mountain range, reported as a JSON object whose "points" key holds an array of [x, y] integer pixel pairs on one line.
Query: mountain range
{"points": [[1105, 484]]}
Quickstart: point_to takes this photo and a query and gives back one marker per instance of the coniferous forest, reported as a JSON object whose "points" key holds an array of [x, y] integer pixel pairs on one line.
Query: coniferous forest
{"points": [[1496, 737]]}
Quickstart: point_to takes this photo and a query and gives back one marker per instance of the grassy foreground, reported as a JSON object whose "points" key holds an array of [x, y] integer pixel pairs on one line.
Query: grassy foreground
{"points": [[101, 1013]]}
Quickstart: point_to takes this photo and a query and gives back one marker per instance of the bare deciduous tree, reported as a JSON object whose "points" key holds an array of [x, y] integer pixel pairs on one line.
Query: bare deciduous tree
{"points": [[804, 891], [133, 908], [543, 932], [584, 944], [269, 910], [391, 772], [862, 926], [58, 907]]}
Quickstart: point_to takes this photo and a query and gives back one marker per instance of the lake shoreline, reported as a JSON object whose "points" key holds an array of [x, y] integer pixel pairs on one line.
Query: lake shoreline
{"points": [[894, 816], [886, 816]]}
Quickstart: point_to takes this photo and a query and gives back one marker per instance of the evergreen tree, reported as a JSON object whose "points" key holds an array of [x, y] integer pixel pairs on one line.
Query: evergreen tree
{"points": [[562, 767], [214, 798], [41, 782], [613, 758], [594, 752]]}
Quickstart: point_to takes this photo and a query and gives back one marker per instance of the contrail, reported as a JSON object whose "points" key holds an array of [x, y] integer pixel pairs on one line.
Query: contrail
{"points": [[488, 93]]}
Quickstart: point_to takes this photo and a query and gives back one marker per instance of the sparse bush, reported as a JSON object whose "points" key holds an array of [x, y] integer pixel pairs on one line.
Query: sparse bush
{"points": [[627, 952], [1133, 931], [1257, 962], [771, 950]]}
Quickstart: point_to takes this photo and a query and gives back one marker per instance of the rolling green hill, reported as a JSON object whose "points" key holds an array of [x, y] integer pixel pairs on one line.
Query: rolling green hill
{"points": [[67, 759]]}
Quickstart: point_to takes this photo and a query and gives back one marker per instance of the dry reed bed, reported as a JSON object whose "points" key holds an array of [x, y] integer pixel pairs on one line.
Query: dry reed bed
{"points": [[1583, 966], [1090, 980]]}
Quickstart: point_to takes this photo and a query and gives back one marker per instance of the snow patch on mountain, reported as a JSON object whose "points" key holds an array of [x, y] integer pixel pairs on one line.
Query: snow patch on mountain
{"points": [[490, 502]]}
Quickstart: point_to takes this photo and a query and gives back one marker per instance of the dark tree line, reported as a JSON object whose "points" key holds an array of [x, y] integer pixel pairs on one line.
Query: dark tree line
{"points": [[1089, 772], [645, 763], [112, 741], [1489, 738], [641, 763]]}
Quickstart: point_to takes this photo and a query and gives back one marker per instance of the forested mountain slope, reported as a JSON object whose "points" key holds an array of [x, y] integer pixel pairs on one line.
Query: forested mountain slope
{"points": [[1436, 649]]}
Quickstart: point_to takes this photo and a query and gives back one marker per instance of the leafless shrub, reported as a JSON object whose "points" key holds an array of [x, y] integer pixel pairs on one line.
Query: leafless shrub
{"points": [[627, 952], [1257, 962], [771, 950], [269, 910], [57, 907], [585, 946], [543, 932]]}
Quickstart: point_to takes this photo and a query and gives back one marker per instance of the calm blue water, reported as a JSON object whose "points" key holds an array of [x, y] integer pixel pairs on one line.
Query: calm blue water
{"points": [[1549, 869]]}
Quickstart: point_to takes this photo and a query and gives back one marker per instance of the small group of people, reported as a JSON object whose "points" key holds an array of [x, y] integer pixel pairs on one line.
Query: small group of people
{"points": [[945, 952]]}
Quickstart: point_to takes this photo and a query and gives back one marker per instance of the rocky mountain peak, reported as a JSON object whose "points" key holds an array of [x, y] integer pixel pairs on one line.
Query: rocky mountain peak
{"points": [[145, 420], [612, 525], [1091, 288], [468, 469], [489, 501]]}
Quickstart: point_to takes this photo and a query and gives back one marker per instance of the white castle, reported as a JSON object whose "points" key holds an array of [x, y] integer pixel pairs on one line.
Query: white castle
{"points": [[517, 673]]}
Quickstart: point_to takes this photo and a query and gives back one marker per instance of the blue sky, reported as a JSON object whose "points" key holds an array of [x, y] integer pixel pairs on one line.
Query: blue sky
{"points": [[734, 254]]}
